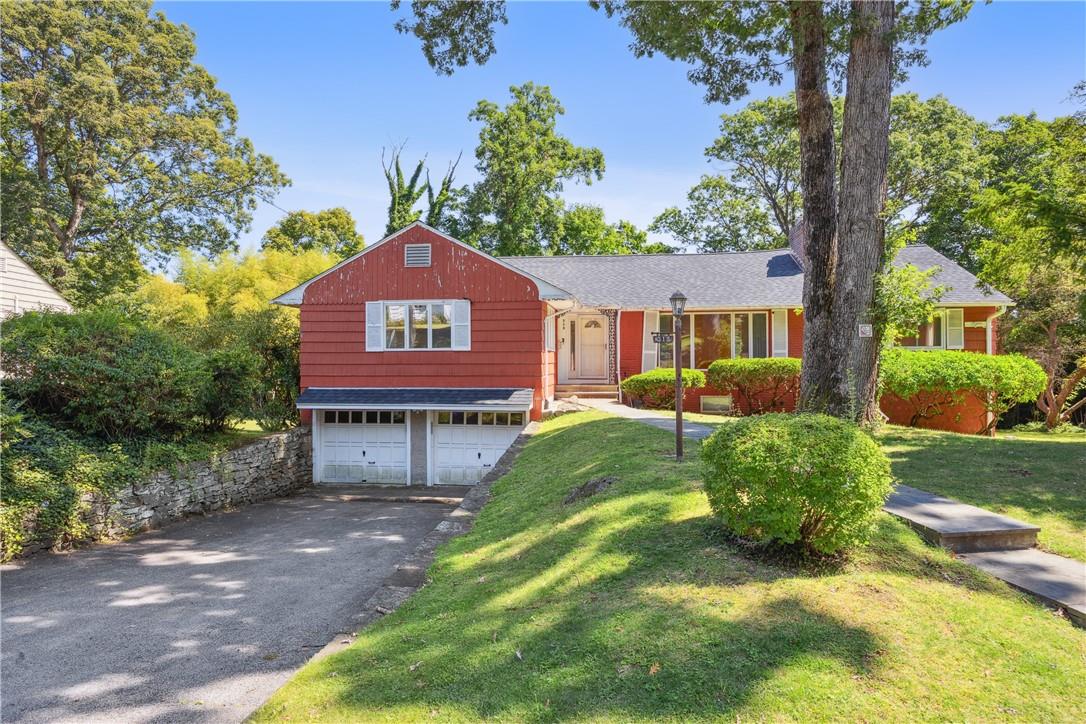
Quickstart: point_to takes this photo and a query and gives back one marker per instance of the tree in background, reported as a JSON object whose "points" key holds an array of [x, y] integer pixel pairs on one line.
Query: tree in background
{"points": [[937, 163], [115, 144], [865, 46], [403, 192], [222, 306], [584, 230], [1033, 213], [523, 162], [331, 231]]}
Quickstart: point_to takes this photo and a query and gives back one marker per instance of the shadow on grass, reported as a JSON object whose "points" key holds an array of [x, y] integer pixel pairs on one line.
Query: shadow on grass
{"points": [[1033, 475], [617, 606]]}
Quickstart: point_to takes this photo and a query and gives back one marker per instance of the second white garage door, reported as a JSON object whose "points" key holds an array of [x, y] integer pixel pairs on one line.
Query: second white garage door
{"points": [[468, 444]]}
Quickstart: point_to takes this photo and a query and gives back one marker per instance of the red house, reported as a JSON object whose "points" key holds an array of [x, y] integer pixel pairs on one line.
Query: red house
{"points": [[422, 357]]}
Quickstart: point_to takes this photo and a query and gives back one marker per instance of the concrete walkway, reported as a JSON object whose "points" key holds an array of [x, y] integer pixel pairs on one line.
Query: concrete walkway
{"points": [[994, 543], [692, 430]]}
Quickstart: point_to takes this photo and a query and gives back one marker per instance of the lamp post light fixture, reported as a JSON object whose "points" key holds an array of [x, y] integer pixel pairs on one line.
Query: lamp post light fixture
{"points": [[678, 305]]}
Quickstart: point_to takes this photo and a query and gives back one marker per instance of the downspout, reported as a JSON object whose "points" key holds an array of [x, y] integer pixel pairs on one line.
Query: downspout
{"points": [[989, 347], [988, 327]]}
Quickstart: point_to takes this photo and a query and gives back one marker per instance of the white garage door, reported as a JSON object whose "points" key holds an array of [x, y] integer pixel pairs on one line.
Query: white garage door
{"points": [[363, 446], [468, 444]]}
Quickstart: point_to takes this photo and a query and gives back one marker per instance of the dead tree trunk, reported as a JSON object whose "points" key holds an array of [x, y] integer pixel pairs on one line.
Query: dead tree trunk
{"points": [[861, 232], [821, 378]]}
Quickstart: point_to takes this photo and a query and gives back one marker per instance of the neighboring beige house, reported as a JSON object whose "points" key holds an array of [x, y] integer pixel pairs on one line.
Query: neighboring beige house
{"points": [[23, 289]]}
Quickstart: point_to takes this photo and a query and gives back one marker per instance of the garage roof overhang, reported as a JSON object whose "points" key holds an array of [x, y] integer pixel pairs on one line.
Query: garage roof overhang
{"points": [[498, 399]]}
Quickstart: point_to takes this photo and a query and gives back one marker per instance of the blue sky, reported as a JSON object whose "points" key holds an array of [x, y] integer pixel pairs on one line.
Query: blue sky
{"points": [[321, 87]]}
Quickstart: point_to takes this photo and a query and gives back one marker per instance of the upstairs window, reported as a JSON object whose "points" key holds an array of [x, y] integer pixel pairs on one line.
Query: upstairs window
{"points": [[418, 325]]}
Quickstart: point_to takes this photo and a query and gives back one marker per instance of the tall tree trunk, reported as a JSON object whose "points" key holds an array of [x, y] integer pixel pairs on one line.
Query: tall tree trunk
{"points": [[820, 382], [865, 144]]}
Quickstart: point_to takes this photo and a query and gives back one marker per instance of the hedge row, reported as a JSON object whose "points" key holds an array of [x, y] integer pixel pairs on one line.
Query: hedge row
{"points": [[656, 388], [766, 384], [933, 381], [104, 375]]}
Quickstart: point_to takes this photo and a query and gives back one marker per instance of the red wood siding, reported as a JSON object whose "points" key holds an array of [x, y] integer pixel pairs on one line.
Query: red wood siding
{"points": [[507, 348], [976, 337], [630, 329], [795, 333]]}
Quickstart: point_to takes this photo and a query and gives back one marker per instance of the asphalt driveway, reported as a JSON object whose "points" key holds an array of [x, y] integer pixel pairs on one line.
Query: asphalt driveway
{"points": [[200, 621]]}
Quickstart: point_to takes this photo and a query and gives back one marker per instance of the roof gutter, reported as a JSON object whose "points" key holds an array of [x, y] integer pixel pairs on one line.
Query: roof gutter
{"points": [[988, 329]]}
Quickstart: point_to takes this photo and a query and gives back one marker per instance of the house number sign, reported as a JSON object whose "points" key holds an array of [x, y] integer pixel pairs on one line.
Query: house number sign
{"points": [[662, 337], [866, 330]]}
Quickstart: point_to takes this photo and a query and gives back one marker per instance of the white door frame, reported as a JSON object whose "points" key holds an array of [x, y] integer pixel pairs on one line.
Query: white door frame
{"points": [[566, 373]]}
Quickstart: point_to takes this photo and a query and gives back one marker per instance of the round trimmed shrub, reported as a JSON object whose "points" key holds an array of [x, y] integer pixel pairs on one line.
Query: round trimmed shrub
{"points": [[656, 388], [812, 479]]}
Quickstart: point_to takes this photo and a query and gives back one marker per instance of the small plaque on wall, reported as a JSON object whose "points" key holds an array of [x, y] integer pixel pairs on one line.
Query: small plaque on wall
{"points": [[866, 330]]}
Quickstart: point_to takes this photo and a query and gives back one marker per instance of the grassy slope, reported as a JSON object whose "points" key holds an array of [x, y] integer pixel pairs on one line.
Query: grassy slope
{"points": [[1036, 477], [623, 607]]}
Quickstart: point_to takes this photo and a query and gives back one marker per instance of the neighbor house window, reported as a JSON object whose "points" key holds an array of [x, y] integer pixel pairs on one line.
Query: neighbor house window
{"points": [[418, 325], [717, 335]]}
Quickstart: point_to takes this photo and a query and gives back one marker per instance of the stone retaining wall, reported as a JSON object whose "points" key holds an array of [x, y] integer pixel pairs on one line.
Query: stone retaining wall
{"points": [[277, 465]]}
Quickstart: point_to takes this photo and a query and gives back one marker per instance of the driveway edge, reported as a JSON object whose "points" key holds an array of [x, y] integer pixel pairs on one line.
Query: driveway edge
{"points": [[410, 574]]}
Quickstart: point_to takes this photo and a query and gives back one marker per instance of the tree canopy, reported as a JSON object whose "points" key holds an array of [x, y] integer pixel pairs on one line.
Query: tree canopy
{"points": [[584, 230], [523, 163], [937, 162], [331, 231], [116, 144]]}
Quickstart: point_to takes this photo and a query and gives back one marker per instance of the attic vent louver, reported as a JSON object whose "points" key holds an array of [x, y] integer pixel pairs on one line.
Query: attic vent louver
{"points": [[416, 255]]}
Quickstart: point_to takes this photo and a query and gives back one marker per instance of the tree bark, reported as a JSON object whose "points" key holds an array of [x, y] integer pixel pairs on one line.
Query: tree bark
{"points": [[865, 142], [820, 380]]}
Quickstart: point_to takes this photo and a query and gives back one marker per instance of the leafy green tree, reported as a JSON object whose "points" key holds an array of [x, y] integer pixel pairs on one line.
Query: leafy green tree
{"points": [[443, 204], [584, 230], [1033, 212], [403, 192], [515, 209], [114, 142], [729, 46], [937, 163], [331, 231]]}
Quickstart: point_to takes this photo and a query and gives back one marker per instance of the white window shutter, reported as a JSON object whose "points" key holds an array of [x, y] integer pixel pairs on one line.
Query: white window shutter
{"points": [[780, 332], [955, 329], [648, 347], [461, 325], [375, 326]]}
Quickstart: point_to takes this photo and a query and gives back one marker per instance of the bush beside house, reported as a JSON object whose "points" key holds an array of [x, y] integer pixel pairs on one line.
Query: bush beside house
{"points": [[656, 388], [95, 401], [809, 479], [961, 391], [769, 384]]}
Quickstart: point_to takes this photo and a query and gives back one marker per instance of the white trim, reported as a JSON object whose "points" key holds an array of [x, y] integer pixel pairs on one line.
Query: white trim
{"points": [[315, 424], [416, 406], [989, 329], [407, 429], [546, 290], [649, 353], [952, 329], [429, 448], [463, 305], [781, 349]]}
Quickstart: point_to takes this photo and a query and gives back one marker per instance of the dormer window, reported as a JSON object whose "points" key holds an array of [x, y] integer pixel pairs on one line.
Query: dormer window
{"points": [[416, 255]]}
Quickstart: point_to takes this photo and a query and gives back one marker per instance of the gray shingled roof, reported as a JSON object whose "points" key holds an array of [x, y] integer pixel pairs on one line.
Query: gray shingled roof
{"points": [[417, 398], [758, 279]]}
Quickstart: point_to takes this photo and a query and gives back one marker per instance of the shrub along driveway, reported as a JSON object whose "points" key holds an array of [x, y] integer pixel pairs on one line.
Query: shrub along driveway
{"points": [[200, 621]]}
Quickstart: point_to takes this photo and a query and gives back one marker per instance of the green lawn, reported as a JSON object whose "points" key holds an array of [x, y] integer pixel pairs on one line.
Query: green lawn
{"points": [[1033, 476], [627, 607]]}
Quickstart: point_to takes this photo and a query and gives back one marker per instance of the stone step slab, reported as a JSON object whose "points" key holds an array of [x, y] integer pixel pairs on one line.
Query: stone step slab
{"points": [[960, 527], [1058, 581]]}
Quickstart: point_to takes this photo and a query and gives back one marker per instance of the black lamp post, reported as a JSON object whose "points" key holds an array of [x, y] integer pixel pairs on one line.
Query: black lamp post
{"points": [[678, 305]]}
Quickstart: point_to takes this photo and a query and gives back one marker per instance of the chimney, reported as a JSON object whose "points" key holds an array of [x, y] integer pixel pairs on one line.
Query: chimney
{"points": [[797, 242]]}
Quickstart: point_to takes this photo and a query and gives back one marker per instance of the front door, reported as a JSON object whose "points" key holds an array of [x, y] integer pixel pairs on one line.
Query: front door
{"points": [[588, 348]]}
